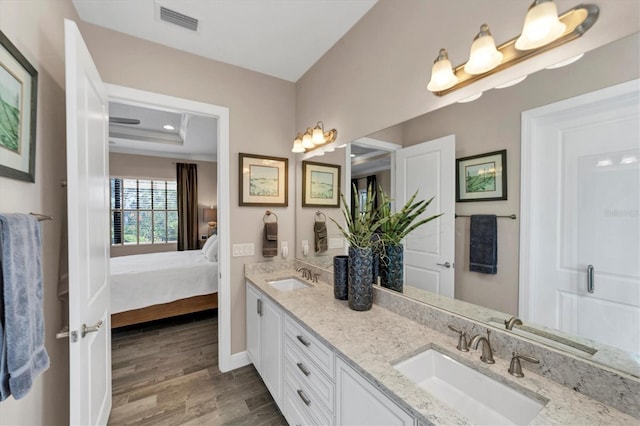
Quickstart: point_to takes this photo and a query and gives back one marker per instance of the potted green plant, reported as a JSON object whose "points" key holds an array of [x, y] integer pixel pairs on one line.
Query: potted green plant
{"points": [[360, 226], [394, 228]]}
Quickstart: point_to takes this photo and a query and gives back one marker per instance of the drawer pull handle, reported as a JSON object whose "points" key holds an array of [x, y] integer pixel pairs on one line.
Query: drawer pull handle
{"points": [[303, 369], [303, 340], [303, 397]]}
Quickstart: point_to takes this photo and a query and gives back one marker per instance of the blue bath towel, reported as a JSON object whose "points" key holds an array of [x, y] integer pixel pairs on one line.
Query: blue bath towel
{"points": [[483, 244], [22, 352]]}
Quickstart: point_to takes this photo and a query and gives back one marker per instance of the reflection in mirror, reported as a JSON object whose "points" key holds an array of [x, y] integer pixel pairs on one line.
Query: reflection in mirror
{"points": [[493, 123]]}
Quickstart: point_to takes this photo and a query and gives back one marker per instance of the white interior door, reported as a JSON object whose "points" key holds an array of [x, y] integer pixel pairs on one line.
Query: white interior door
{"points": [[582, 208], [88, 207], [429, 250]]}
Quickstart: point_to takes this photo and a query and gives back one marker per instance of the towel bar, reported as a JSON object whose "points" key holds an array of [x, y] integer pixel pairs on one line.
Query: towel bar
{"points": [[41, 217], [511, 216]]}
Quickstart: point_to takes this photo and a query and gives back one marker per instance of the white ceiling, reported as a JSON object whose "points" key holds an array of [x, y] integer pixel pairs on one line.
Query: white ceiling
{"points": [[194, 137], [281, 38]]}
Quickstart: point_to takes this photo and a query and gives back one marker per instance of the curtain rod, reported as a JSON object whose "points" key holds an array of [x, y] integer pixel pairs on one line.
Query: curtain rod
{"points": [[511, 216]]}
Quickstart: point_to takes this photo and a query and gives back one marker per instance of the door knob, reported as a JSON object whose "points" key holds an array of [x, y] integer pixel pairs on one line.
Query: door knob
{"points": [[445, 264], [90, 329]]}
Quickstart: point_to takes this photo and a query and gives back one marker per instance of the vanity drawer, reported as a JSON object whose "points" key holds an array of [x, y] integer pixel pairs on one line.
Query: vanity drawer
{"points": [[310, 347], [309, 374], [300, 401]]}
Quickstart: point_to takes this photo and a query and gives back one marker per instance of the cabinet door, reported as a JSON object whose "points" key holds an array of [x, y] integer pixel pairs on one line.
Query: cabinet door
{"points": [[358, 402], [272, 349], [253, 326]]}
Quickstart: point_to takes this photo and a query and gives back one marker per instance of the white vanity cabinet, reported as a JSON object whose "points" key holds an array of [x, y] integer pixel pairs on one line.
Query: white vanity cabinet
{"points": [[358, 402], [310, 384], [309, 377], [264, 340]]}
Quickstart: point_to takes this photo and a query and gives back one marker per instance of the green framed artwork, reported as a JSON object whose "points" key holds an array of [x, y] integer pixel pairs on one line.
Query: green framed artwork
{"points": [[320, 185], [482, 177], [263, 181], [18, 106]]}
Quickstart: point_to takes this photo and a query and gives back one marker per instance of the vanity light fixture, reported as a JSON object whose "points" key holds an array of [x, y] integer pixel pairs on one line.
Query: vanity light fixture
{"points": [[313, 138], [483, 56], [543, 30]]}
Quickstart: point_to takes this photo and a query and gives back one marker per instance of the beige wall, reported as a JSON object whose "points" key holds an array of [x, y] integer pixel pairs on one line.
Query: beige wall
{"points": [[255, 101], [492, 123], [127, 165], [36, 29]]}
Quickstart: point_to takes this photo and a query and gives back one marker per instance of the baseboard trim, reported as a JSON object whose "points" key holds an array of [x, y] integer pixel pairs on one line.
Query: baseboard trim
{"points": [[239, 359]]}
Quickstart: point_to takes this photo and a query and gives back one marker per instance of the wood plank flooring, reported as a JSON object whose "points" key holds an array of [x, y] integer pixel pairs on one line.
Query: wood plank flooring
{"points": [[166, 373]]}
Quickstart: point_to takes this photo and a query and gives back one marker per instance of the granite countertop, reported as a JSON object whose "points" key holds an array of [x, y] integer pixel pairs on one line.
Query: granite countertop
{"points": [[373, 341]]}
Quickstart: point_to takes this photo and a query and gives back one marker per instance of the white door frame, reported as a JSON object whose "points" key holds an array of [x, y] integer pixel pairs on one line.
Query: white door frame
{"points": [[531, 120], [144, 98]]}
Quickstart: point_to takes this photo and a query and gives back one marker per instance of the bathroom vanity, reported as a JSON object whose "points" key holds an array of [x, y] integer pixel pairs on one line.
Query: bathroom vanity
{"points": [[327, 364]]}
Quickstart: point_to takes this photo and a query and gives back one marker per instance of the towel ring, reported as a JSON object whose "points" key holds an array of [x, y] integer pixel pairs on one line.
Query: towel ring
{"points": [[319, 213], [267, 214]]}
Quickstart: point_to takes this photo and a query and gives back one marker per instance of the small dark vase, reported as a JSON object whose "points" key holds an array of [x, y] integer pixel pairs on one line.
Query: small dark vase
{"points": [[391, 275], [360, 278], [340, 276]]}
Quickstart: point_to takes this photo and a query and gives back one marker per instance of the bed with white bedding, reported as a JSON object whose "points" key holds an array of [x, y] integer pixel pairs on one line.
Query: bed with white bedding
{"points": [[151, 286]]}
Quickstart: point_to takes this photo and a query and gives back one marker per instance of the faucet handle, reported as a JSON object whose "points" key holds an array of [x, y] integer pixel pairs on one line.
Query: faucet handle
{"points": [[462, 339], [515, 369]]}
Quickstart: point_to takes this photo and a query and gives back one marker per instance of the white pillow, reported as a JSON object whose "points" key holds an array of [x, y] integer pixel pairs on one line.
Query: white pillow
{"points": [[212, 251], [208, 243]]}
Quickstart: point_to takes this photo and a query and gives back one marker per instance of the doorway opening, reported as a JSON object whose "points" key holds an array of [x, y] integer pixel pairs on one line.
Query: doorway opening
{"points": [[138, 98]]}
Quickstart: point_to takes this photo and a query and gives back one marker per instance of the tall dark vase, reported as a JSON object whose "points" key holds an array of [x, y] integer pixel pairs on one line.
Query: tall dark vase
{"points": [[360, 278], [391, 275], [340, 277]]}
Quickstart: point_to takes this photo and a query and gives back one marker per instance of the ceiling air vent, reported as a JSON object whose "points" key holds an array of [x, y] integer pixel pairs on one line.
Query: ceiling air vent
{"points": [[178, 18]]}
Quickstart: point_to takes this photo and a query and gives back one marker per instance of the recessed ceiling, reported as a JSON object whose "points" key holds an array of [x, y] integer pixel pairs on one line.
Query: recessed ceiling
{"points": [[367, 161], [281, 38], [162, 133]]}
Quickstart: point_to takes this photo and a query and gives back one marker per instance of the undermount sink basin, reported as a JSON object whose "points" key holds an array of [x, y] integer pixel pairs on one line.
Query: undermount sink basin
{"points": [[481, 399], [287, 284]]}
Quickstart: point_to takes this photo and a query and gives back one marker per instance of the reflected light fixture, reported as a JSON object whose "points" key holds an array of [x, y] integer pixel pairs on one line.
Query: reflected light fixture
{"points": [[313, 138], [470, 98], [483, 56], [565, 62], [543, 30], [511, 83], [168, 127]]}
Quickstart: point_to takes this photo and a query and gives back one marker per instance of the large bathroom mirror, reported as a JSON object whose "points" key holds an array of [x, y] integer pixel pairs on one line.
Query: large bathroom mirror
{"points": [[491, 123]]}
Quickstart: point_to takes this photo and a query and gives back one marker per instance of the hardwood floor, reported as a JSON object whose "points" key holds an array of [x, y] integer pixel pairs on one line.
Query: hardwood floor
{"points": [[166, 373]]}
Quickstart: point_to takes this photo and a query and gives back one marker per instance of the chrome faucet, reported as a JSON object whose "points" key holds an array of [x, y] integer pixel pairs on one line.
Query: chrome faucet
{"points": [[511, 322], [515, 369], [306, 272], [487, 354]]}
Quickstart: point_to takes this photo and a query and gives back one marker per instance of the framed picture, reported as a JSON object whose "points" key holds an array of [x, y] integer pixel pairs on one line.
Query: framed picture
{"points": [[263, 180], [482, 177], [18, 106], [320, 185]]}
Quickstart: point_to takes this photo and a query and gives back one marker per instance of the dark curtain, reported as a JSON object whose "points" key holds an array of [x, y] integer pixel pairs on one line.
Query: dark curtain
{"points": [[354, 194], [372, 183], [187, 181]]}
